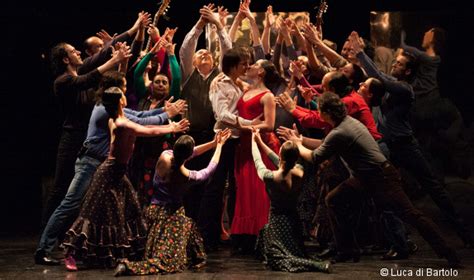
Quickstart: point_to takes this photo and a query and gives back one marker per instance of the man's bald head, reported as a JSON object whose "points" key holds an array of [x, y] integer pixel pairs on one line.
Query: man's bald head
{"points": [[93, 45]]}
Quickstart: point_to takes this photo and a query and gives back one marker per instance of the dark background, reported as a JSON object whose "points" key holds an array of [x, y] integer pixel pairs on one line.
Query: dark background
{"points": [[30, 122]]}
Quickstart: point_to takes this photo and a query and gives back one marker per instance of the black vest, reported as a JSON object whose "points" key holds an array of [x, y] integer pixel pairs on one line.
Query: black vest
{"points": [[196, 93]]}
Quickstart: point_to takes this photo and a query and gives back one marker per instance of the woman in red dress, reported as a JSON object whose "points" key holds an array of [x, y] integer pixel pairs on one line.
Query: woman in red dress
{"points": [[252, 203]]}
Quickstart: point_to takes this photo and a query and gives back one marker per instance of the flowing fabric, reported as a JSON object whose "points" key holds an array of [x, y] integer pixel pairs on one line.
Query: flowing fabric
{"points": [[252, 203], [110, 224], [173, 243]]}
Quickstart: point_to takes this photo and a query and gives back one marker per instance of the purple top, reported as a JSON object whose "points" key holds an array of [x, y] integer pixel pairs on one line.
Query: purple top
{"points": [[170, 192]]}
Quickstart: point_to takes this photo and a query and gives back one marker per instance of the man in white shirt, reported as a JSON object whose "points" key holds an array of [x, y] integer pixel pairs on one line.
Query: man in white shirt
{"points": [[225, 92]]}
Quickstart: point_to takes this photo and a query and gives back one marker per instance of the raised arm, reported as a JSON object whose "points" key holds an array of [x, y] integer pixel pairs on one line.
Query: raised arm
{"points": [[99, 58], [286, 35], [312, 35], [175, 88], [138, 79], [245, 8], [267, 25], [201, 149], [236, 24], [306, 117], [269, 152], [203, 174], [188, 47], [415, 51], [263, 173], [391, 84]]}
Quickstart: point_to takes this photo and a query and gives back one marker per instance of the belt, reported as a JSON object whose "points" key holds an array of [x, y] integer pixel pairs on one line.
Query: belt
{"points": [[84, 151]]}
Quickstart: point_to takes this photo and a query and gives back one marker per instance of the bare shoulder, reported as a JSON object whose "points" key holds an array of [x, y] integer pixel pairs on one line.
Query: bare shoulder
{"points": [[298, 171], [164, 164], [268, 97]]}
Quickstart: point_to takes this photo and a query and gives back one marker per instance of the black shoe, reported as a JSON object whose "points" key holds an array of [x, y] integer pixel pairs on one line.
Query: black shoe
{"points": [[120, 270], [394, 255], [43, 259], [344, 257]]}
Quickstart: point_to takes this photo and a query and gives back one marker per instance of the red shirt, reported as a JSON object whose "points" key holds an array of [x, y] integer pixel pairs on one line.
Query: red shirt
{"points": [[356, 108]]}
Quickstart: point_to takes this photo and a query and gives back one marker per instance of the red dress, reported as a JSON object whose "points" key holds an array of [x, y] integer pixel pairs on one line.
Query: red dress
{"points": [[252, 203]]}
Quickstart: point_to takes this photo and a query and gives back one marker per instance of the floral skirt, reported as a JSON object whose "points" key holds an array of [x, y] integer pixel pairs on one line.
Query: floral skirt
{"points": [[280, 243], [173, 243], [110, 223]]}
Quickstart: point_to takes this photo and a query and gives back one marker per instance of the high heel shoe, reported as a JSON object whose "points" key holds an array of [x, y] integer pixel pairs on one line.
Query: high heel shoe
{"points": [[70, 263]]}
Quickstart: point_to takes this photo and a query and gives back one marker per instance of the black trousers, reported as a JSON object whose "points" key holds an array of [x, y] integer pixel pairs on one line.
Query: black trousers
{"points": [[408, 155], [69, 145], [384, 185], [209, 220]]}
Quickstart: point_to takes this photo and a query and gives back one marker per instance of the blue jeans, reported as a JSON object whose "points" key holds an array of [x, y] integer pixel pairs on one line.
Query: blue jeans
{"points": [[67, 211]]}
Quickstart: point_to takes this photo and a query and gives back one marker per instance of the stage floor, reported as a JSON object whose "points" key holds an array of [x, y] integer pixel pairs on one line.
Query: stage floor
{"points": [[16, 256]]}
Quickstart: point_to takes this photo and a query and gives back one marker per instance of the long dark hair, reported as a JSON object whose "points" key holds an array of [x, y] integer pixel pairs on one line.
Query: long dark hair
{"points": [[272, 78], [111, 100], [289, 153], [182, 150], [58, 53]]}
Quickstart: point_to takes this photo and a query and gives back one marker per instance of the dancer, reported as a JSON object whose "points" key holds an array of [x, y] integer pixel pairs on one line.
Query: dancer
{"points": [[173, 239], [110, 224], [281, 239]]}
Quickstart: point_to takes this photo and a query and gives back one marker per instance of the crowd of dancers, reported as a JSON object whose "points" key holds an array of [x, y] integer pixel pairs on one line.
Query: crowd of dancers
{"points": [[290, 142]]}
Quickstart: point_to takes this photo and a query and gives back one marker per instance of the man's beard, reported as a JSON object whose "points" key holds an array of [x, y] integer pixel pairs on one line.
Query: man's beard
{"points": [[158, 95]]}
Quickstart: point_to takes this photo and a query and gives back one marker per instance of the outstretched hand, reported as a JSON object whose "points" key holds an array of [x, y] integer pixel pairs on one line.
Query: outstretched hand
{"points": [[179, 107], [223, 13], [245, 9], [307, 94], [121, 52], [356, 43], [269, 17], [222, 136], [284, 100], [105, 36], [181, 126], [288, 134], [256, 135]]}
